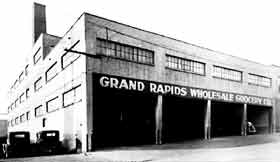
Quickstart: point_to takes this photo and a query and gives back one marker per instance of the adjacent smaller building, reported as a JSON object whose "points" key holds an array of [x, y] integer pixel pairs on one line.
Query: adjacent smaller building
{"points": [[3, 127]]}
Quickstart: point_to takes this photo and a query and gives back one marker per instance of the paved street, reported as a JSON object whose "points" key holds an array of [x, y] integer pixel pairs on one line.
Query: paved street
{"points": [[259, 148]]}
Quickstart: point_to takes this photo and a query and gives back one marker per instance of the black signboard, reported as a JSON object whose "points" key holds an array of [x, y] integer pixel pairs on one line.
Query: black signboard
{"points": [[130, 84]]}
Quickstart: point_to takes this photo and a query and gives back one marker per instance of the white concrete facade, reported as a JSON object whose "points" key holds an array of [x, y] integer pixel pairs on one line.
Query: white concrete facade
{"points": [[75, 120]]}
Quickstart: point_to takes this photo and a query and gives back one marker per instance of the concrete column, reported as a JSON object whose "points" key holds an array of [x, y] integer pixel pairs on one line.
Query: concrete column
{"points": [[244, 121], [271, 120], [207, 121], [158, 114]]}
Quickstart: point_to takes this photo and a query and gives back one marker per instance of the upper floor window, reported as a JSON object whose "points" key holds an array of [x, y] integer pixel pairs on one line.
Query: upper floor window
{"points": [[38, 84], [225, 73], [16, 103], [12, 122], [39, 111], [51, 72], [37, 56], [16, 84], [22, 118], [17, 120], [21, 76], [27, 93], [53, 104], [123, 51], [21, 98], [72, 96], [259, 80], [68, 58], [185, 65], [28, 115], [26, 70]]}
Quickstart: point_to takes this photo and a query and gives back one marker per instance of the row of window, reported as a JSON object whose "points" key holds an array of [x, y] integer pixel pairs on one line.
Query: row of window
{"points": [[140, 55], [192, 66], [51, 72], [36, 58], [69, 98]]}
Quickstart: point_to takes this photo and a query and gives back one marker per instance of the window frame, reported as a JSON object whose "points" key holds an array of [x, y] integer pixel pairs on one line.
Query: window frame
{"points": [[27, 93], [185, 63], [229, 70], [125, 52], [21, 98], [28, 117], [26, 70], [54, 65], [37, 59], [47, 105], [63, 65], [259, 77], [21, 77], [41, 109], [69, 91], [36, 89]]}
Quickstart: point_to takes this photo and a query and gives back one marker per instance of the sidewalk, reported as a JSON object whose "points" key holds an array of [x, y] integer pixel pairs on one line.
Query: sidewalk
{"points": [[167, 151]]}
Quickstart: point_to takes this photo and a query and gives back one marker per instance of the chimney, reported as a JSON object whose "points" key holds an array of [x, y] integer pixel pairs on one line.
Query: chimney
{"points": [[39, 21]]}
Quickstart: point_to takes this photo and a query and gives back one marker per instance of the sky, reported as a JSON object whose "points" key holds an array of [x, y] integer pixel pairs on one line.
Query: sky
{"points": [[249, 29]]}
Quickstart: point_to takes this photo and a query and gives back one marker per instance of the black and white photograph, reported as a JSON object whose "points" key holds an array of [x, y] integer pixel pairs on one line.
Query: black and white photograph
{"points": [[140, 81]]}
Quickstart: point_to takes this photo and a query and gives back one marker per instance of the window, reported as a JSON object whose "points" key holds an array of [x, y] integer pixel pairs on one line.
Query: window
{"points": [[259, 80], [27, 93], [38, 84], [51, 72], [72, 96], [68, 58], [123, 51], [28, 115], [21, 98], [53, 104], [21, 77], [22, 118], [12, 122], [37, 56], [39, 111], [16, 102], [44, 122], [12, 106], [225, 73], [26, 70], [16, 84], [185, 65], [17, 120]]}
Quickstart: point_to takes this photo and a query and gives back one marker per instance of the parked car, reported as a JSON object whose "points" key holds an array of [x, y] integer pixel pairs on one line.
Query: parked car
{"points": [[48, 142], [18, 144], [251, 128]]}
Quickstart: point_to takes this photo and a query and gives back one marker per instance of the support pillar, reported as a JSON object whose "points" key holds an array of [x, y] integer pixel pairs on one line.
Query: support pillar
{"points": [[158, 114], [244, 121], [207, 121]]}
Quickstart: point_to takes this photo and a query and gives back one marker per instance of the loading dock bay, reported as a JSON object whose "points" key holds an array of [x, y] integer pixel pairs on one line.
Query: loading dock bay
{"points": [[127, 113]]}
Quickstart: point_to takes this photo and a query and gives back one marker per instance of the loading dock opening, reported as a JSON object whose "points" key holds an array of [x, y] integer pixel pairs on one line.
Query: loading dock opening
{"points": [[183, 119], [226, 119], [123, 118], [260, 116]]}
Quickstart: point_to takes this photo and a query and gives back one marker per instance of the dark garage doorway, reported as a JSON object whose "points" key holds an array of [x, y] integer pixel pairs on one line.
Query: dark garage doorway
{"points": [[183, 119], [260, 117], [226, 119], [123, 118]]}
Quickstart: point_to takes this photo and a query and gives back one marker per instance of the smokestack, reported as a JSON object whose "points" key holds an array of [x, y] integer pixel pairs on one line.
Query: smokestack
{"points": [[39, 21]]}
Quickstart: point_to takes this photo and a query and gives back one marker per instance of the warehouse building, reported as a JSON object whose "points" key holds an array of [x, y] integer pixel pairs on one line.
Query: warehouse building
{"points": [[107, 84]]}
